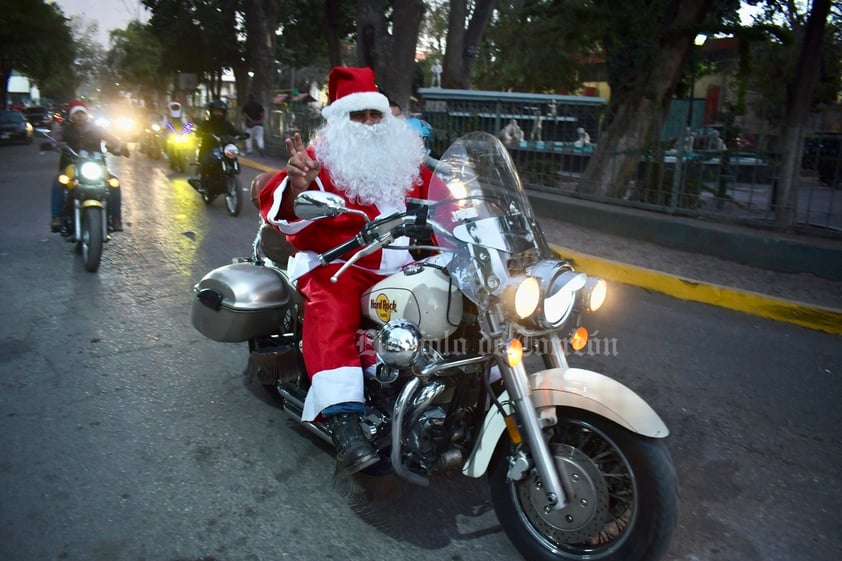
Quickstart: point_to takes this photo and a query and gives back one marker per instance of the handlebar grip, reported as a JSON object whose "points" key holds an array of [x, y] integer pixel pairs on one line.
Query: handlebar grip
{"points": [[339, 251]]}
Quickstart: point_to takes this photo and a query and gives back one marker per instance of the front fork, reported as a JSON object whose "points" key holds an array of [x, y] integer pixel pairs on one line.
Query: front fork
{"points": [[517, 382], [79, 207]]}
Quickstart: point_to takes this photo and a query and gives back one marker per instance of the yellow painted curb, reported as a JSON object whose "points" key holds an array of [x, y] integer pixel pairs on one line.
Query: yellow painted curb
{"points": [[820, 318], [256, 165]]}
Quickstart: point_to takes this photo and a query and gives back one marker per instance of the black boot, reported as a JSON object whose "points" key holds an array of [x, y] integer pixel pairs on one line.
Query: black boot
{"points": [[353, 449]]}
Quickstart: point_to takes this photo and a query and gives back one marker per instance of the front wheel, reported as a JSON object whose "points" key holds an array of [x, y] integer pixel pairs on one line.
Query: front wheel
{"points": [[233, 195], [92, 229], [179, 161], [624, 502]]}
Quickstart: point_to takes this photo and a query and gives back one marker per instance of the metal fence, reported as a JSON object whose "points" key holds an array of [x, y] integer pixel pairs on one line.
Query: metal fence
{"points": [[691, 174]]}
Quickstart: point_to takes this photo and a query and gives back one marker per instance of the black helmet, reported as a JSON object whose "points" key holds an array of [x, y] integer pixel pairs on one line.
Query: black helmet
{"points": [[217, 104]]}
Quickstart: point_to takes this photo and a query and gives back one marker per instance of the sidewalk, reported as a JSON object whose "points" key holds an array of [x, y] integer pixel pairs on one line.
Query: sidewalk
{"points": [[800, 298]]}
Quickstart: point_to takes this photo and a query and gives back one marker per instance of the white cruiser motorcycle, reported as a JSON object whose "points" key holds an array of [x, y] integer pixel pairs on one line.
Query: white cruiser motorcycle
{"points": [[576, 461]]}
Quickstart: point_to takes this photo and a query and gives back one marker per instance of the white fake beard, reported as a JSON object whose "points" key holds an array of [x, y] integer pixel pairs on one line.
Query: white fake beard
{"points": [[372, 164]]}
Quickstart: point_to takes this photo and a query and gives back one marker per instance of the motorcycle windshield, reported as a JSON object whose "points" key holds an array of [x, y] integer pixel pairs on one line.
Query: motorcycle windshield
{"points": [[483, 216]]}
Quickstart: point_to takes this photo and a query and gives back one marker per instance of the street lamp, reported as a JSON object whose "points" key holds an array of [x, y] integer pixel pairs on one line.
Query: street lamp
{"points": [[697, 44]]}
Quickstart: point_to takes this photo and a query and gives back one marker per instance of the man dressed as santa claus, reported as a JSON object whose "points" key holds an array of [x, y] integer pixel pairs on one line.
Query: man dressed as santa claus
{"points": [[374, 161]]}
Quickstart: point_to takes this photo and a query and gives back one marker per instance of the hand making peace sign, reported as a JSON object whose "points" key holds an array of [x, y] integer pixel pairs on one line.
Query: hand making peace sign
{"points": [[301, 168]]}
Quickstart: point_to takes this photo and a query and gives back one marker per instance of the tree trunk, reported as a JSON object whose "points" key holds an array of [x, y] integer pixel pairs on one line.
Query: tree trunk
{"points": [[799, 96], [391, 56], [635, 107], [261, 19], [462, 43], [334, 52], [5, 76]]}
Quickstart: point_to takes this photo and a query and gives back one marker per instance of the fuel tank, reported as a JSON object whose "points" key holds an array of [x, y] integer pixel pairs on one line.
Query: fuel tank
{"points": [[421, 293]]}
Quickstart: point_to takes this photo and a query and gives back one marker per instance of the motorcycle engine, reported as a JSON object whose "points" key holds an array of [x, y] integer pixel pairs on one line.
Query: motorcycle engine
{"points": [[425, 435]]}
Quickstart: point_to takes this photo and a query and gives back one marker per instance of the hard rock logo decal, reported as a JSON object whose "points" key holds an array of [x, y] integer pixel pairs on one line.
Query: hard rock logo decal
{"points": [[383, 307]]}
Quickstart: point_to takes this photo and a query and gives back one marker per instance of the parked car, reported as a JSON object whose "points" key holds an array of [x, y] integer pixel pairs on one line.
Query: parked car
{"points": [[14, 127], [40, 117]]}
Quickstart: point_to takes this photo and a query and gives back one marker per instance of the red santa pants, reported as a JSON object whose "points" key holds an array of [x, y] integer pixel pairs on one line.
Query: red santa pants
{"points": [[329, 338]]}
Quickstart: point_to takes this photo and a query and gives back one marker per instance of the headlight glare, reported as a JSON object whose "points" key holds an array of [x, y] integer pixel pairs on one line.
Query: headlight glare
{"points": [[91, 171]]}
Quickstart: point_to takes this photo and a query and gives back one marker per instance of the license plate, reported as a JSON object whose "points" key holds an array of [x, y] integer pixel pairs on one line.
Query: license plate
{"points": [[6, 135]]}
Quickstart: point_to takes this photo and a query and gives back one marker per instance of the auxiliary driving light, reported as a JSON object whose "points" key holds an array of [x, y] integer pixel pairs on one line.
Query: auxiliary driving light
{"points": [[594, 293]]}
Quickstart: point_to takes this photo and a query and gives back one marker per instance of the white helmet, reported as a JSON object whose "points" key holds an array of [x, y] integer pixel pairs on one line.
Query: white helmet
{"points": [[175, 109]]}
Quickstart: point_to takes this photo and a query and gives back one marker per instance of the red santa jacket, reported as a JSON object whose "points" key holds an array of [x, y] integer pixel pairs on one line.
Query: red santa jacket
{"points": [[314, 237]]}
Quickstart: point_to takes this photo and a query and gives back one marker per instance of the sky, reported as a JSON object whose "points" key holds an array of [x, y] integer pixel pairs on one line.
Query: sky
{"points": [[109, 14]]}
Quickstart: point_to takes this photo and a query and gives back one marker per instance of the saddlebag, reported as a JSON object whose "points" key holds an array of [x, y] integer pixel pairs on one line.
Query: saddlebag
{"points": [[240, 301]]}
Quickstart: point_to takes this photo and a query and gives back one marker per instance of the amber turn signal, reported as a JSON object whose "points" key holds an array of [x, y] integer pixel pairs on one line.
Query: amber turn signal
{"points": [[579, 339]]}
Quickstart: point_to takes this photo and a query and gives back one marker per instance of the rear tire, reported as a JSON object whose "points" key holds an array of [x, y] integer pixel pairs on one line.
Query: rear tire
{"points": [[233, 195], [92, 238], [625, 503]]}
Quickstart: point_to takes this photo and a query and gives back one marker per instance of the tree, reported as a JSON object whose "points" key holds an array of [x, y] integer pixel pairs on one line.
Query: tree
{"points": [[386, 42], [135, 58], [464, 31], [799, 94], [261, 20], [646, 45], [515, 50], [88, 66], [35, 40], [201, 37]]}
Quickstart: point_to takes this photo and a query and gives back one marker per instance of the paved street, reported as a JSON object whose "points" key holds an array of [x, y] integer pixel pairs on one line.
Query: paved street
{"points": [[127, 436]]}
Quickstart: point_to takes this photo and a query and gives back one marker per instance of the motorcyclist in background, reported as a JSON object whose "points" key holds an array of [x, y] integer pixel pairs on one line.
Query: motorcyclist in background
{"points": [[174, 121], [80, 133], [215, 124]]}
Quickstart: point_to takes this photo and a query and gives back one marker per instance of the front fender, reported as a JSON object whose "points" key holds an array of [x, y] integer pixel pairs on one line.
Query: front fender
{"points": [[570, 387], [88, 203]]}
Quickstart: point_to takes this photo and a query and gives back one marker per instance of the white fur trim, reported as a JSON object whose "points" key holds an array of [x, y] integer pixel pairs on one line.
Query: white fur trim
{"points": [[330, 387], [285, 226], [356, 102], [75, 110]]}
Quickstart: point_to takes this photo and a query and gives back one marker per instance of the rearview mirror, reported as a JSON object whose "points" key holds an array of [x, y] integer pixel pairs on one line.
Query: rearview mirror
{"points": [[312, 205]]}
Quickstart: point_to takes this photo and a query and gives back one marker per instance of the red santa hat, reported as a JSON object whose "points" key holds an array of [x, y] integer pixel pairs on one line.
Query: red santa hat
{"points": [[75, 107], [353, 89]]}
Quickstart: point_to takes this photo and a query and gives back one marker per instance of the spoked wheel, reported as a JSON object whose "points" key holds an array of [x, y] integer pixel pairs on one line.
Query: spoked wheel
{"points": [[233, 195], [92, 238], [624, 502]]}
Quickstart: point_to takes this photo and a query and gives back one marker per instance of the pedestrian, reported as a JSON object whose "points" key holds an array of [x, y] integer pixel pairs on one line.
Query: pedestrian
{"points": [[253, 115], [373, 160]]}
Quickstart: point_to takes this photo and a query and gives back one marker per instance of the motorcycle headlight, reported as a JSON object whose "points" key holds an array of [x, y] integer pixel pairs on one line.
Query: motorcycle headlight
{"points": [[91, 171], [546, 295], [398, 343], [524, 294], [593, 294], [231, 151]]}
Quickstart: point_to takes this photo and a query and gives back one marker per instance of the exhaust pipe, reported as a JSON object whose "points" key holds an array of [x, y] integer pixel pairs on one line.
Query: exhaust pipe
{"points": [[294, 407]]}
